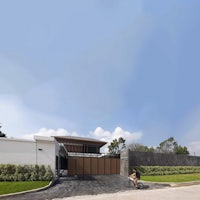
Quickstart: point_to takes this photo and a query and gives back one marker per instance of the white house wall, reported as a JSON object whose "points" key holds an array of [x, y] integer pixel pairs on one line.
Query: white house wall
{"points": [[46, 153], [20, 152], [40, 151]]}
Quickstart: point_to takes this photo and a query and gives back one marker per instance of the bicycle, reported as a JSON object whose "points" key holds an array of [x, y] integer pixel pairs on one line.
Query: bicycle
{"points": [[140, 185]]}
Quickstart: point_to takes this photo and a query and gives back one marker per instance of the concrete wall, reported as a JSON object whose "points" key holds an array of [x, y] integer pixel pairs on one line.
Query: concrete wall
{"points": [[40, 151], [130, 159], [161, 159]]}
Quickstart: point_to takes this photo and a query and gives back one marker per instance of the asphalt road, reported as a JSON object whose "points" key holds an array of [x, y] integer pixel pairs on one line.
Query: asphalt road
{"points": [[172, 193]]}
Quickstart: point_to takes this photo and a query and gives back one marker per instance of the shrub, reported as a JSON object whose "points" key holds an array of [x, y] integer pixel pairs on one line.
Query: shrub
{"points": [[48, 174], [35, 173], [25, 173], [42, 172], [166, 170]]}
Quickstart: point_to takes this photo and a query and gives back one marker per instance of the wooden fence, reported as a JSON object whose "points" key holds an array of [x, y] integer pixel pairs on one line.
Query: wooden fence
{"points": [[93, 166]]}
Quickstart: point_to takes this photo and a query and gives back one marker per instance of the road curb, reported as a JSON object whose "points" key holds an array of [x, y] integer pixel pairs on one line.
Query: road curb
{"points": [[174, 184], [185, 184]]}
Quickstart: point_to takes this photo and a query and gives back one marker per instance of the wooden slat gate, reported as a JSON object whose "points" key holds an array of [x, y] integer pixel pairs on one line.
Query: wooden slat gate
{"points": [[93, 166]]}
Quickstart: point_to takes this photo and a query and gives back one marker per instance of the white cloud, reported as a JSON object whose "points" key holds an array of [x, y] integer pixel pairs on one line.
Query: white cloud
{"points": [[99, 133], [107, 136], [194, 148], [49, 132]]}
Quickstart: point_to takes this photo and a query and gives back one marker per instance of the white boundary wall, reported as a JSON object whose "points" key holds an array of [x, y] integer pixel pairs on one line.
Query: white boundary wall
{"points": [[45, 151], [39, 151]]}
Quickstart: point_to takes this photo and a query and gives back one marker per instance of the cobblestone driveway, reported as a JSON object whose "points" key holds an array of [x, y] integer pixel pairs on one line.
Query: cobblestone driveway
{"points": [[67, 187]]}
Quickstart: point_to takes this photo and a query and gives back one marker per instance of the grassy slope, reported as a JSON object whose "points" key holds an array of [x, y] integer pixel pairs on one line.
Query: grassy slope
{"points": [[12, 187], [172, 178]]}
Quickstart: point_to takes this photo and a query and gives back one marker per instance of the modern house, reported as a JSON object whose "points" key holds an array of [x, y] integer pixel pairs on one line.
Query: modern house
{"points": [[68, 147], [52, 151]]}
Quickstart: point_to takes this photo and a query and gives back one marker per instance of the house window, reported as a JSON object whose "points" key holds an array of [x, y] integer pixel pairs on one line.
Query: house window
{"points": [[92, 149]]}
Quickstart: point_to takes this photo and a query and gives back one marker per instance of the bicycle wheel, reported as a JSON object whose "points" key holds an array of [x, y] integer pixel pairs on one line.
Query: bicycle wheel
{"points": [[140, 185]]}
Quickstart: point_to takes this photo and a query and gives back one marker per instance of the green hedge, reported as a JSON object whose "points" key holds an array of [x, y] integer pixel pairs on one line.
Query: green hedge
{"points": [[166, 170], [25, 173]]}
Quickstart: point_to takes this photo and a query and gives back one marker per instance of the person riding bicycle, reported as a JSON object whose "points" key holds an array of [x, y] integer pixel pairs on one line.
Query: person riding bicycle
{"points": [[134, 177]]}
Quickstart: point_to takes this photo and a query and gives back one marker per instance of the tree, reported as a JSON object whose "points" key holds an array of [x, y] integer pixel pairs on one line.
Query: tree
{"points": [[181, 150], [167, 146], [116, 146], [1, 133], [171, 146], [140, 148]]}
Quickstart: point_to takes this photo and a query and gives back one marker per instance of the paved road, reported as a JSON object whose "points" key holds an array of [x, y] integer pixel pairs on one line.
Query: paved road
{"points": [[173, 193], [68, 187]]}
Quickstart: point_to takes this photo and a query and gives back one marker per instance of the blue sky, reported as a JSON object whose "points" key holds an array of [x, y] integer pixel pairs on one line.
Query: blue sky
{"points": [[101, 69]]}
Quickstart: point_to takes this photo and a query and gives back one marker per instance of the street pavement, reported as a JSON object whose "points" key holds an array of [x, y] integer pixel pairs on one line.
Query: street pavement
{"points": [[172, 193]]}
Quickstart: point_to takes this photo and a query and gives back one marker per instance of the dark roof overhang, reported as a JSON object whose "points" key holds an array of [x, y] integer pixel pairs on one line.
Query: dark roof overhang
{"points": [[79, 140]]}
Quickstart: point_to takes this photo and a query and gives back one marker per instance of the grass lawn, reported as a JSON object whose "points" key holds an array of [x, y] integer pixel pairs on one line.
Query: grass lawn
{"points": [[172, 178], [12, 187]]}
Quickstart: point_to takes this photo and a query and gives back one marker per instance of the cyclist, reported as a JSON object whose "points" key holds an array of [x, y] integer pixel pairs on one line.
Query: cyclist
{"points": [[134, 178]]}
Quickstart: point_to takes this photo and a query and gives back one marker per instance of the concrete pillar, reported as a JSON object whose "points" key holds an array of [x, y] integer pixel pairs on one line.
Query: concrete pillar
{"points": [[124, 162]]}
